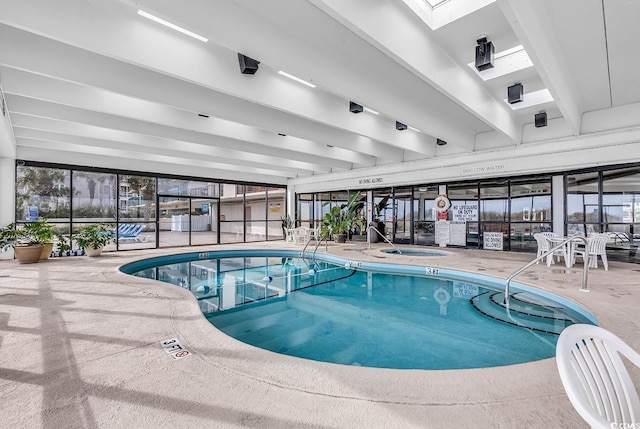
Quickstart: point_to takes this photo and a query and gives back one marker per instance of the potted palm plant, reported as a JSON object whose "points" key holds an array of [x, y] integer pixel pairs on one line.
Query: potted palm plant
{"points": [[92, 238], [377, 222], [26, 246], [340, 220]]}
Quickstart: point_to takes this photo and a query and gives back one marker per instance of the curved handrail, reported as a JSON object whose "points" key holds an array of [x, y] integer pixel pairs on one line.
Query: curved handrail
{"points": [[381, 235], [585, 274]]}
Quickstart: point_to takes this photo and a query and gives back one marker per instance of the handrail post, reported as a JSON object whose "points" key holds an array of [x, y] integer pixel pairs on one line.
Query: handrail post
{"points": [[585, 274], [369, 228]]}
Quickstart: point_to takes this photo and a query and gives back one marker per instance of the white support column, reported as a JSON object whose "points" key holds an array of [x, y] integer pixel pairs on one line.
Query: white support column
{"points": [[7, 197], [557, 204], [291, 202]]}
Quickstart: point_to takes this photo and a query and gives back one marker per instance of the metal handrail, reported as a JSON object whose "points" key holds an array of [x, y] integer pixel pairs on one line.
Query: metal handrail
{"points": [[585, 273], [381, 235], [313, 237]]}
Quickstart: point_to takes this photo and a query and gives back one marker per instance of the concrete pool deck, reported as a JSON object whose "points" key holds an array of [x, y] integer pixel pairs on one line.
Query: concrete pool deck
{"points": [[80, 347]]}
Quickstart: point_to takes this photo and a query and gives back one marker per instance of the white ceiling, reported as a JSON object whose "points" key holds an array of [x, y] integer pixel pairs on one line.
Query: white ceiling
{"points": [[92, 82]]}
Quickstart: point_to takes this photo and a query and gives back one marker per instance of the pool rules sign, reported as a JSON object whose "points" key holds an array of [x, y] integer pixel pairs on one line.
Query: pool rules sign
{"points": [[492, 241]]}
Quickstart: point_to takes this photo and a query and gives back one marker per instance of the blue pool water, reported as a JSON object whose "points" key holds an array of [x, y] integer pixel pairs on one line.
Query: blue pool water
{"points": [[367, 314]]}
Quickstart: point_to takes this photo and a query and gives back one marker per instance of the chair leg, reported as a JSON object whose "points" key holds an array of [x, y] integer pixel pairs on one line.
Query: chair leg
{"points": [[605, 262]]}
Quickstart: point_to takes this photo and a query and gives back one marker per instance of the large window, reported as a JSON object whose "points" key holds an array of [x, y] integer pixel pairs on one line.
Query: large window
{"points": [[465, 195], [94, 196], [276, 213], [424, 215], [137, 211], [148, 211], [621, 202], [232, 214], [530, 212], [43, 192], [583, 214], [494, 209]]}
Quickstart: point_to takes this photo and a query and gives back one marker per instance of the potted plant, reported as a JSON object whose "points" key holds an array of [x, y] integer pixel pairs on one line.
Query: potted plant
{"points": [[92, 238], [26, 246], [286, 224], [377, 223], [340, 220], [42, 232], [63, 246]]}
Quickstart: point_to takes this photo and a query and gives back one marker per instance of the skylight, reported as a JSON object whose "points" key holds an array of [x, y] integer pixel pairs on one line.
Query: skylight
{"points": [[436, 13], [435, 3], [505, 62], [172, 26]]}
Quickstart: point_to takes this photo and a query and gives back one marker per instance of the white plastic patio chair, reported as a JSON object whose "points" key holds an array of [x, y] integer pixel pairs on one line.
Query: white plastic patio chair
{"points": [[596, 246], [300, 235], [595, 378], [544, 245]]}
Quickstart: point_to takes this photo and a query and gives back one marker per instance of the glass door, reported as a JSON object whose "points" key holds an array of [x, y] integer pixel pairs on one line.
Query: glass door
{"points": [[402, 216], [204, 221]]}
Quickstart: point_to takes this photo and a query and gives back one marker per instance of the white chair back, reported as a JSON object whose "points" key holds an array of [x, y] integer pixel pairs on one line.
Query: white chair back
{"points": [[543, 243], [595, 378], [598, 244]]}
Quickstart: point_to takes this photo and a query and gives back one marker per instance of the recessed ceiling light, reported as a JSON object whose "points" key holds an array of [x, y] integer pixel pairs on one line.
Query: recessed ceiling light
{"points": [[414, 129], [297, 79], [371, 111], [172, 26]]}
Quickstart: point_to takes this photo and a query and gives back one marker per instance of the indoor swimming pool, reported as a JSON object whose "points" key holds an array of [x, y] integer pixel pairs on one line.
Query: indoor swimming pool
{"points": [[367, 314]]}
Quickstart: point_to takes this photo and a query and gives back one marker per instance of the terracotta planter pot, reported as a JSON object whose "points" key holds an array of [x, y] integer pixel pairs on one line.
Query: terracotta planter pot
{"points": [[28, 254], [46, 251], [93, 252]]}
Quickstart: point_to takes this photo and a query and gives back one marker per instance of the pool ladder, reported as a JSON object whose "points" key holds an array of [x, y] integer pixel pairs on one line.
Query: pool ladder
{"points": [[585, 273], [326, 241]]}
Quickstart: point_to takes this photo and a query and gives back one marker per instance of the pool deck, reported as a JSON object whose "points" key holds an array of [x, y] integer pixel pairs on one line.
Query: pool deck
{"points": [[80, 345]]}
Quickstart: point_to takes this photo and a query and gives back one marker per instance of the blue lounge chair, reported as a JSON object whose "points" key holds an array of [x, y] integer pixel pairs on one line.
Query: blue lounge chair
{"points": [[132, 234]]}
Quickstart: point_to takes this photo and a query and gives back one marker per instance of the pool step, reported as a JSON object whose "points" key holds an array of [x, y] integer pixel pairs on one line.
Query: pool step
{"points": [[264, 308], [296, 333], [524, 311], [257, 323]]}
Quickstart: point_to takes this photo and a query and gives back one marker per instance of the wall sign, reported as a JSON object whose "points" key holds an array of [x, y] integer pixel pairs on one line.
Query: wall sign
{"points": [[464, 212], [370, 180], [484, 169], [492, 241]]}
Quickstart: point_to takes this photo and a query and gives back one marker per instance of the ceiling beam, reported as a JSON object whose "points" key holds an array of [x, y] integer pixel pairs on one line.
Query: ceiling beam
{"points": [[530, 21]]}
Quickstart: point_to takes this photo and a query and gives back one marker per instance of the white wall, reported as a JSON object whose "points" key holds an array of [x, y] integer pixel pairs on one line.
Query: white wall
{"points": [[7, 176]]}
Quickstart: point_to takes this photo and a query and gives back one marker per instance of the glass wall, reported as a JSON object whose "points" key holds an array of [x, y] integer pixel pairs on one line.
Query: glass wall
{"points": [[530, 212], [188, 212], [607, 201], [464, 208], [305, 210], [402, 215], [494, 209], [148, 211], [424, 215], [137, 212], [583, 202], [232, 213], [276, 204]]}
